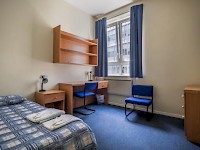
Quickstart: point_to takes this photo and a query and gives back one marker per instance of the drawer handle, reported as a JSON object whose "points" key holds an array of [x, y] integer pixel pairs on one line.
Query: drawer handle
{"points": [[182, 106], [56, 97]]}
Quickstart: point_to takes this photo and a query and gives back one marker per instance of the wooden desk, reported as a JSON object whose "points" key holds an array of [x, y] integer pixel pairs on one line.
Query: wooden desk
{"points": [[74, 102]]}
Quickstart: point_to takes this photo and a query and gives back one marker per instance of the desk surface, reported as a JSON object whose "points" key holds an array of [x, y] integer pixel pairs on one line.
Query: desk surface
{"points": [[80, 83]]}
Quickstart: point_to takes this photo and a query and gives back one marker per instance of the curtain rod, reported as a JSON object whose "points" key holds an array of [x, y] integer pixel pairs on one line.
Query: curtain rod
{"points": [[103, 15], [118, 15]]}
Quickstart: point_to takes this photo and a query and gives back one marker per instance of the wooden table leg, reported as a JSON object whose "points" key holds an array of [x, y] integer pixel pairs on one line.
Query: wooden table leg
{"points": [[68, 97]]}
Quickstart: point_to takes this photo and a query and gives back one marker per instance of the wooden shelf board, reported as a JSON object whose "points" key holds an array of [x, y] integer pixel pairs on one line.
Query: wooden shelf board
{"points": [[77, 38], [77, 64], [73, 51]]}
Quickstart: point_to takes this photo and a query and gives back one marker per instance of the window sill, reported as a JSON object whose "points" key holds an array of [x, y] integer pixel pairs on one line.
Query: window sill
{"points": [[118, 78]]}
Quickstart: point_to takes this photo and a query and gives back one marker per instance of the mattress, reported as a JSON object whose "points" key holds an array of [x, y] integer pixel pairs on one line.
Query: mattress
{"points": [[16, 132]]}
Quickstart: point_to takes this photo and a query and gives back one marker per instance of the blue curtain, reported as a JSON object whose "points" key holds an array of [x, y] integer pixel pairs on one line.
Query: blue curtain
{"points": [[136, 17], [101, 34]]}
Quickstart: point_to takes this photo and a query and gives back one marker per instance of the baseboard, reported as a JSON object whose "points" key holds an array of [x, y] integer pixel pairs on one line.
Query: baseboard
{"points": [[143, 109]]}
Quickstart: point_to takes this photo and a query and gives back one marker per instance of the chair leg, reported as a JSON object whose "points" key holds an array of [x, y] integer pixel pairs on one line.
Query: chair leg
{"points": [[147, 114], [151, 116], [88, 108], [80, 112], [84, 102], [84, 106], [129, 112], [125, 108], [85, 113]]}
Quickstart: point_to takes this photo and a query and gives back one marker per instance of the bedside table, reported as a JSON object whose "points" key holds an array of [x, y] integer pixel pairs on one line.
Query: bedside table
{"points": [[51, 99]]}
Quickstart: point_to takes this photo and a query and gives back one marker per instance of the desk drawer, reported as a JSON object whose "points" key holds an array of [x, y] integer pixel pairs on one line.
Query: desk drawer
{"points": [[54, 97], [102, 85]]}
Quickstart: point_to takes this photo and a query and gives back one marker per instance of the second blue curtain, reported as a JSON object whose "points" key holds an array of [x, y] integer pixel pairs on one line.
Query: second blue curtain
{"points": [[136, 17], [101, 34]]}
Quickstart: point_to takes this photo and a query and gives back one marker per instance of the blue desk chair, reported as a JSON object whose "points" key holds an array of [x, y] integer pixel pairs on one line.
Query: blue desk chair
{"points": [[141, 95], [90, 89]]}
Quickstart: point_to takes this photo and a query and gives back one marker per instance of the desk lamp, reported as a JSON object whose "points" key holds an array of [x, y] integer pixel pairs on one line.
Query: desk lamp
{"points": [[44, 81]]}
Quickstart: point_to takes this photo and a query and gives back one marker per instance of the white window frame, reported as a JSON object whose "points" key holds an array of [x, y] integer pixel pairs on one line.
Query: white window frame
{"points": [[118, 25]]}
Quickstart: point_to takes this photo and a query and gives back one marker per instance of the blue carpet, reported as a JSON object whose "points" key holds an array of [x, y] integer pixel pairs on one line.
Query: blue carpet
{"points": [[114, 132]]}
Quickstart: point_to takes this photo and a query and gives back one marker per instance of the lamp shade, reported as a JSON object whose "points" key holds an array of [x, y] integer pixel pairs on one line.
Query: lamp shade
{"points": [[45, 80]]}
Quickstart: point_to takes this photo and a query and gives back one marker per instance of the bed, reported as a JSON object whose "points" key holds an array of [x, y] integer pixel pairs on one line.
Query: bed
{"points": [[16, 132]]}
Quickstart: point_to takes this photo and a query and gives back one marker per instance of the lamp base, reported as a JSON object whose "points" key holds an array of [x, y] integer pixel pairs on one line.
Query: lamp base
{"points": [[42, 90]]}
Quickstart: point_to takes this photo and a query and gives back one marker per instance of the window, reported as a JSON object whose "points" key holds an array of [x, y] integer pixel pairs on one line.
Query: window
{"points": [[118, 39]]}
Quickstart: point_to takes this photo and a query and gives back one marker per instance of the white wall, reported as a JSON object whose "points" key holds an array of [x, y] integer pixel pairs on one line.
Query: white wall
{"points": [[26, 44], [171, 52]]}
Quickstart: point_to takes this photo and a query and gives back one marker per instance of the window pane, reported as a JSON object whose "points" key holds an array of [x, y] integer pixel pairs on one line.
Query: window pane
{"points": [[112, 54], [112, 44], [114, 69], [125, 40], [125, 69]]}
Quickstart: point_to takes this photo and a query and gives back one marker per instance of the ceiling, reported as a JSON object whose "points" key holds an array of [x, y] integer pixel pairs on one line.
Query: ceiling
{"points": [[98, 7]]}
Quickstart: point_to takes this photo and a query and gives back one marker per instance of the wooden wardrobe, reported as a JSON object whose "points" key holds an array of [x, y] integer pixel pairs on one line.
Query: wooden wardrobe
{"points": [[192, 113]]}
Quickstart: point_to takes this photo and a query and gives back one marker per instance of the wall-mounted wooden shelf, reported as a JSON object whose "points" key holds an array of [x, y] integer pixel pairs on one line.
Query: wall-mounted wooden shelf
{"points": [[72, 49]]}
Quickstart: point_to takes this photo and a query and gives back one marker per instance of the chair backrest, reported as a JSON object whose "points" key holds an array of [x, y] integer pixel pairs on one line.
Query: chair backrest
{"points": [[143, 90], [90, 86]]}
